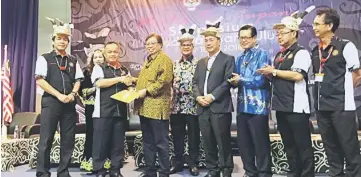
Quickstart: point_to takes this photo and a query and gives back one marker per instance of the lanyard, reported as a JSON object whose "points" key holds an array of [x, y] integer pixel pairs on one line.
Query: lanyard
{"points": [[62, 68], [280, 58], [323, 60]]}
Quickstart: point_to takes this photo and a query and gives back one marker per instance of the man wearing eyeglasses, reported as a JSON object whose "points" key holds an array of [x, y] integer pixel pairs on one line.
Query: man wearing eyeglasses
{"points": [[253, 99], [290, 97], [154, 86], [337, 67], [184, 107]]}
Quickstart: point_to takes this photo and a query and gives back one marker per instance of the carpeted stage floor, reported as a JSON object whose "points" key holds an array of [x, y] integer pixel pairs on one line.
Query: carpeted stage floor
{"points": [[129, 170]]}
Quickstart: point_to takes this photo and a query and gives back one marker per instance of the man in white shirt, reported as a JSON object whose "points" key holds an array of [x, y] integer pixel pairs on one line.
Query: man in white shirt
{"points": [[59, 75], [212, 92]]}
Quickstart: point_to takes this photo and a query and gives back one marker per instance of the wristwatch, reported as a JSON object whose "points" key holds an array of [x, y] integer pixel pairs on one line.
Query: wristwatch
{"points": [[274, 72]]}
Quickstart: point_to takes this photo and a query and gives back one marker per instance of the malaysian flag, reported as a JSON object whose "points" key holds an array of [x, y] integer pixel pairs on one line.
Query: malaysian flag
{"points": [[7, 94]]}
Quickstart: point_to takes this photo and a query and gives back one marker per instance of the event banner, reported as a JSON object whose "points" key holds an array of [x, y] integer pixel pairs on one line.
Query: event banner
{"points": [[130, 21]]}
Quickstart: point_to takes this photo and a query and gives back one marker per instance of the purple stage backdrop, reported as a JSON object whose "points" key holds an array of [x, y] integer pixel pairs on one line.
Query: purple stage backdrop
{"points": [[130, 21]]}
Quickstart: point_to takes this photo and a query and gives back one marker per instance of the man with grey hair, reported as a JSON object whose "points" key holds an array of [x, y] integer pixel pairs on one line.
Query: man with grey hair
{"points": [[184, 106]]}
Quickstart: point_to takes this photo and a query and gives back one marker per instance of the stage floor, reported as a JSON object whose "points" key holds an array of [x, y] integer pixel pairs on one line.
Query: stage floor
{"points": [[129, 170]]}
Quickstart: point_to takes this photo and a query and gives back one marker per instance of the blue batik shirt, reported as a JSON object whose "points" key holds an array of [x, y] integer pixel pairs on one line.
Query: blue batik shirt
{"points": [[253, 88]]}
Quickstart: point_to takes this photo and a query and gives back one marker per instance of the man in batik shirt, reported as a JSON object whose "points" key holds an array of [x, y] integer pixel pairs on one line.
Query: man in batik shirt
{"points": [[184, 107]]}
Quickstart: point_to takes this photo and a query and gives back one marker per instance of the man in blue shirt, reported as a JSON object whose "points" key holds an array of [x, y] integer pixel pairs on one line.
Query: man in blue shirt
{"points": [[252, 111]]}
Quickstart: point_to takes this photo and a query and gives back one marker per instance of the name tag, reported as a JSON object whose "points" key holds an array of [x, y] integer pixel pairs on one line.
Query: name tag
{"points": [[319, 77]]}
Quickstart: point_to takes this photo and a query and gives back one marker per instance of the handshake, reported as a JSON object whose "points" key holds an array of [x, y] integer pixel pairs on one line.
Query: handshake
{"points": [[127, 80]]}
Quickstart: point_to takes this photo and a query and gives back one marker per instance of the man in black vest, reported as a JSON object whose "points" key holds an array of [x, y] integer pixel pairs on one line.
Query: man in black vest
{"points": [[290, 98], [335, 62], [109, 115], [59, 75]]}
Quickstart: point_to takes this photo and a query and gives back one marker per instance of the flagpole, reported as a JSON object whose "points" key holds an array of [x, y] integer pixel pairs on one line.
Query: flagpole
{"points": [[6, 52], [3, 65], [3, 126]]}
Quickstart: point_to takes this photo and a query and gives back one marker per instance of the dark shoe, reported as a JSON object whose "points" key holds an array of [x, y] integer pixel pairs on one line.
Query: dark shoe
{"points": [[144, 174], [213, 174], [175, 169], [43, 175], [227, 173], [90, 173], [101, 174], [194, 171], [116, 174], [64, 175], [248, 176], [163, 175]]}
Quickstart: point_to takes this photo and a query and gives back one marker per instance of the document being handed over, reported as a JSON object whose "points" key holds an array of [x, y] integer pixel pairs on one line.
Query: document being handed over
{"points": [[125, 96]]}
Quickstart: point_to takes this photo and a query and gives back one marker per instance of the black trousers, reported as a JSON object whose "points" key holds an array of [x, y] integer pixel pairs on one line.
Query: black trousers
{"points": [[178, 124], [339, 136], [155, 140], [254, 144], [88, 132], [296, 137], [216, 134], [108, 137], [53, 112]]}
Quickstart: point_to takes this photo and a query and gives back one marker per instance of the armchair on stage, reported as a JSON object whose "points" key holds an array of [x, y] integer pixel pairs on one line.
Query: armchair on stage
{"points": [[23, 120], [21, 151], [33, 129]]}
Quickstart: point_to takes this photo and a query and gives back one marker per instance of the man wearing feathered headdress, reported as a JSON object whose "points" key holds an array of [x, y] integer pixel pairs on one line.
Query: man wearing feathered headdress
{"points": [[184, 105], [290, 97], [212, 92], [59, 75]]}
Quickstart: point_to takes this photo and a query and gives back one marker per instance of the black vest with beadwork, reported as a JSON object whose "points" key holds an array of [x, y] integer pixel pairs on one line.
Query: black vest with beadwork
{"points": [[61, 80], [283, 91], [110, 107], [329, 95]]}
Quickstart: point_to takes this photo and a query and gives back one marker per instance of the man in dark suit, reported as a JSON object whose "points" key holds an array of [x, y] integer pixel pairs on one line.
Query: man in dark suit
{"points": [[212, 92]]}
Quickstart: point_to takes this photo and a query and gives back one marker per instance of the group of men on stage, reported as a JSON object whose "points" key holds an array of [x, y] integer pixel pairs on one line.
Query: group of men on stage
{"points": [[201, 101]]}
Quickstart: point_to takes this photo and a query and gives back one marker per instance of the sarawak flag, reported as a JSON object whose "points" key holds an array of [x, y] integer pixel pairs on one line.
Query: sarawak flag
{"points": [[7, 94]]}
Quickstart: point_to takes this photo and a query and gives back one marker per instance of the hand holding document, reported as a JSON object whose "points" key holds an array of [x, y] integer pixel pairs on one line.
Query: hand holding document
{"points": [[126, 96]]}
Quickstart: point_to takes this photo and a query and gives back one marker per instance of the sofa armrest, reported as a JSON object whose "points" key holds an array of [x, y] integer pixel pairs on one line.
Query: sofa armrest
{"points": [[23, 128], [32, 130], [80, 128], [10, 131]]}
